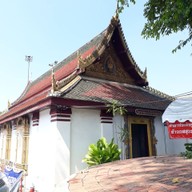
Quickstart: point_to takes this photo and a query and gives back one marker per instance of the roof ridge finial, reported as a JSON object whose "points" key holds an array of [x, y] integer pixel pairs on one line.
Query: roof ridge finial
{"points": [[53, 81], [81, 60], [145, 73], [8, 104], [116, 16]]}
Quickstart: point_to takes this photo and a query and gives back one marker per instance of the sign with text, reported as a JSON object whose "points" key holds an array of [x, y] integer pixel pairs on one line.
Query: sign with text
{"points": [[180, 130]]}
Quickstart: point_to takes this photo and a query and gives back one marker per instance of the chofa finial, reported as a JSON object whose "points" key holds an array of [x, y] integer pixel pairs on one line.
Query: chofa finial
{"points": [[53, 81], [8, 104], [145, 74]]}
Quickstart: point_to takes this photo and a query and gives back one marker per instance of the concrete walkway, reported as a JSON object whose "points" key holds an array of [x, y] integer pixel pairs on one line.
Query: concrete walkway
{"points": [[148, 174]]}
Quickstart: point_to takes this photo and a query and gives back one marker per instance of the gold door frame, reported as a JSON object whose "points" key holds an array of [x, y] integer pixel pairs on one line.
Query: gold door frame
{"points": [[140, 120]]}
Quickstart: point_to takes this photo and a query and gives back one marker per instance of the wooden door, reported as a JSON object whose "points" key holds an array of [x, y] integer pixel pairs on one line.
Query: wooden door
{"points": [[139, 137]]}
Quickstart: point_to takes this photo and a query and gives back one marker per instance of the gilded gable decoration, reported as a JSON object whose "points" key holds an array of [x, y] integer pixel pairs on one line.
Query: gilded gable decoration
{"points": [[85, 62], [109, 65], [68, 80], [69, 84], [81, 61]]}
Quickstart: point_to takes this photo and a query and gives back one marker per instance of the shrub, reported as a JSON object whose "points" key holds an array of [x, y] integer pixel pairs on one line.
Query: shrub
{"points": [[188, 151], [102, 152]]}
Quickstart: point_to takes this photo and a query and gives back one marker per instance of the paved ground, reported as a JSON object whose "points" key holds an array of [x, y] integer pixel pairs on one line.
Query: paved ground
{"points": [[149, 174]]}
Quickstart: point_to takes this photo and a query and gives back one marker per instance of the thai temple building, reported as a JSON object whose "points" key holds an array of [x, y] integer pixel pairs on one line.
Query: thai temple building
{"points": [[47, 130]]}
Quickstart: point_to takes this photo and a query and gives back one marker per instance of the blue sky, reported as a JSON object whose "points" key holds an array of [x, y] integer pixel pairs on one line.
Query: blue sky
{"points": [[51, 30]]}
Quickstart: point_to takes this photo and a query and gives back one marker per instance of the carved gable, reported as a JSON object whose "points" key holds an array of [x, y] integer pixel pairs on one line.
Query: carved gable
{"points": [[109, 67]]}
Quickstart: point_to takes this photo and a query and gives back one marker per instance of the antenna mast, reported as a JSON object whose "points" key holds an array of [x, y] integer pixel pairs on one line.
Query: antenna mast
{"points": [[29, 59]]}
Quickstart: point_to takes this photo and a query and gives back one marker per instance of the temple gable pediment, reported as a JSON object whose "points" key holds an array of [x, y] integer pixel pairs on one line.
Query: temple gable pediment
{"points": [[109, 67]]}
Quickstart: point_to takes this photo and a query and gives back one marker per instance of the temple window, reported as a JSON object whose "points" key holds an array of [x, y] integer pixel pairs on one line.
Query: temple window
{"points": [[20, 136], [3, 135], [5, 140]]}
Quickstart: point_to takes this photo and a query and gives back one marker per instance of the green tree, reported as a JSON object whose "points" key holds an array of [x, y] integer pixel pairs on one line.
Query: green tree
{"points": [[165, 17], [122, 3]]}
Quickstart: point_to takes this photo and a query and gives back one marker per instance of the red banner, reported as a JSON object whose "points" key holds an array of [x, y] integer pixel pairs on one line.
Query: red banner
{"points": [[179, 130]]}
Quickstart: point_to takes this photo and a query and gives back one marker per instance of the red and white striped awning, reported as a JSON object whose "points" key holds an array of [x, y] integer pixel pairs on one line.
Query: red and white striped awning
{"points": [[178, 118]]}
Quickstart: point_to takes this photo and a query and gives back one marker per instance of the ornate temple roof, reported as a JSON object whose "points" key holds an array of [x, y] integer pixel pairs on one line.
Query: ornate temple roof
{"points": [[89, 89], [67, 81], [80, 59]]}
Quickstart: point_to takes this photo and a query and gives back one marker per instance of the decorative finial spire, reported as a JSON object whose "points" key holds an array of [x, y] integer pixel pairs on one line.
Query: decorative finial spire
{"points": [[117, 10], [8, 104], [145, 74], [117, 6], [81, 61], [53, 81]]}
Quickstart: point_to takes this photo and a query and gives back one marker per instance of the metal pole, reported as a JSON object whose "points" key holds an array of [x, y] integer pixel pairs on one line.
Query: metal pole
{"points": [[29, 59]]}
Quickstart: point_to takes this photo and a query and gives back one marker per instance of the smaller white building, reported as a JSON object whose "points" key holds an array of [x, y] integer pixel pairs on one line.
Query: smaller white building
{"points": [[178, 120]]}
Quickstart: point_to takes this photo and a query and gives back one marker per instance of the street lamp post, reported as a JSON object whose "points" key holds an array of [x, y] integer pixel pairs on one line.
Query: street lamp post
{"points": [[29, 59]]}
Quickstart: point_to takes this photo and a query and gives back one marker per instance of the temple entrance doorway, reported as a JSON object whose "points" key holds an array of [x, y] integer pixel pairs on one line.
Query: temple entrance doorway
{"points": [[140, 146], [139, 137]]}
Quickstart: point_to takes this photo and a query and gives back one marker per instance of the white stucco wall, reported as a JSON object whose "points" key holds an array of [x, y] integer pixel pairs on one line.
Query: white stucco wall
{"points": [[118, 126], [3, 139], [49, 153], [165, 145], [62, 153], [107, 131], [179, 145], [42, 154], [161, 135], [85, 129], [13, 145], [175, 146], [56, 149]]}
